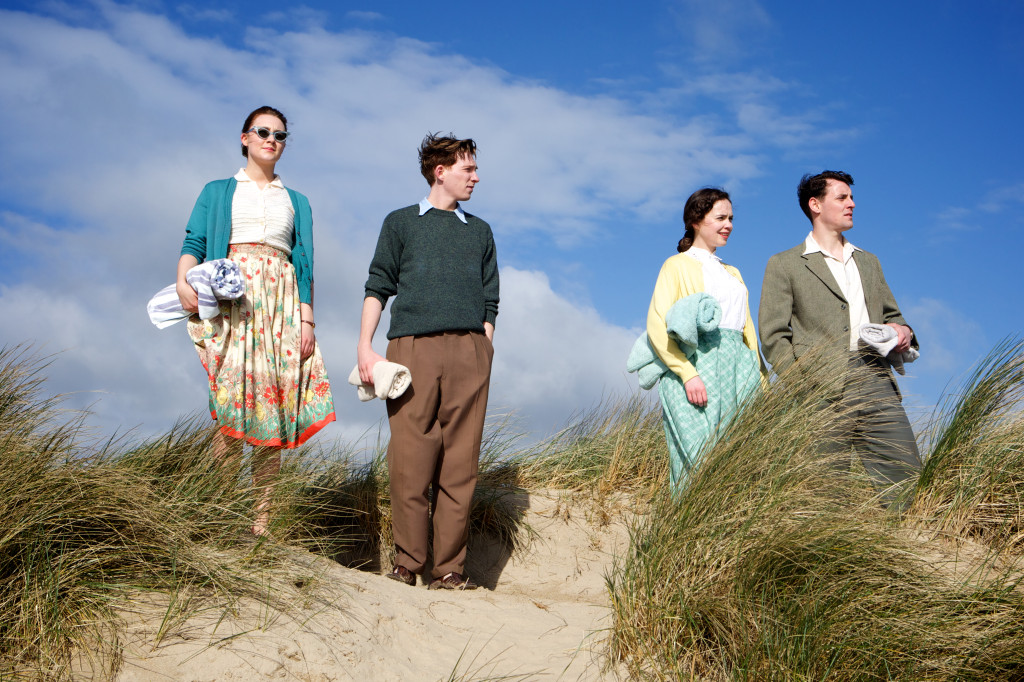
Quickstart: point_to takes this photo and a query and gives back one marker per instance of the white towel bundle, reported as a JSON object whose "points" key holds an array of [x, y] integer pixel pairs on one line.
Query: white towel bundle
{"points": [[389, 381], [215, 280], [883, 338]]}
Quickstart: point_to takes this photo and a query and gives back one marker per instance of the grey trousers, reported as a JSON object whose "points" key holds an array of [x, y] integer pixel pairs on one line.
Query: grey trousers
{"points": [[877, 428]]}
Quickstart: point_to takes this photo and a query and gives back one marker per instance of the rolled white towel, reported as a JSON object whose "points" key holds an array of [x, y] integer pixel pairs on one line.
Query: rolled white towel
{"points": [[390, 380], [883, 339]]}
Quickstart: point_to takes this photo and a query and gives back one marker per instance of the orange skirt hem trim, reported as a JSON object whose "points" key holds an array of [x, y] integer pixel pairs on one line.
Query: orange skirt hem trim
{"points": [[277, 442]]}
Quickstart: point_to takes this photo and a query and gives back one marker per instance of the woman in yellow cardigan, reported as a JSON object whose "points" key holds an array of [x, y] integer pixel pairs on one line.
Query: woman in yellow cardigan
{"points": [[708, 382]]}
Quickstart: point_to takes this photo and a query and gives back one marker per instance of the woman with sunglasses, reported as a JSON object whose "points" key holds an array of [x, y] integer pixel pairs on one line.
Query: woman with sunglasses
{"points": [[268, 386]]}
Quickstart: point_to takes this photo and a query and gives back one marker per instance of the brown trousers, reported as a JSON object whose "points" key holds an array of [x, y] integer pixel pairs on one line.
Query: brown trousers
{"points": [[436, 429]]}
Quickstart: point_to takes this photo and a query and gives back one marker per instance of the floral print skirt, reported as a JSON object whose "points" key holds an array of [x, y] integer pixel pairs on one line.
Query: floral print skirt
{"points": [[260, 389]]}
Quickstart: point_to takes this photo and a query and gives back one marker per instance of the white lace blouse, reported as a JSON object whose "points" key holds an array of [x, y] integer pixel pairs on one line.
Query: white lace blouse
{"points": [[262, 216], [730, 293]]}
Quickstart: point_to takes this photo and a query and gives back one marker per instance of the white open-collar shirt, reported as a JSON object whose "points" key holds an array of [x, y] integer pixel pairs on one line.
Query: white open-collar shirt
{"points": [[425, 206], [847, 276]]}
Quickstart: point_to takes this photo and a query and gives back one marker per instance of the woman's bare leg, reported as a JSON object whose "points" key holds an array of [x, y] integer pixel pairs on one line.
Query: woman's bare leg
{"points": [[226, 450], [266, 465]]}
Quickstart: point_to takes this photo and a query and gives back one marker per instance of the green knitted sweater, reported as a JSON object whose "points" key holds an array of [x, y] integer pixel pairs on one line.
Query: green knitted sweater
{"points": [[442, 272]]}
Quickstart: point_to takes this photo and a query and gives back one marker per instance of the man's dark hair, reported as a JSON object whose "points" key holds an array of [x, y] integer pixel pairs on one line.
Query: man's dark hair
{"points": [[814, 186], [437, 150]]}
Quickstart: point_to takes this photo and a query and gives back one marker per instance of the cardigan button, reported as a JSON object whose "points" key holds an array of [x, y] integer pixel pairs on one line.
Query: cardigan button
{"points": [[842, 307], [846, 329]]}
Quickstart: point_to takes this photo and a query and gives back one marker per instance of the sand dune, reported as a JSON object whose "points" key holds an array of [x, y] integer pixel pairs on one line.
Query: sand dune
{"points": [[540, 615]]}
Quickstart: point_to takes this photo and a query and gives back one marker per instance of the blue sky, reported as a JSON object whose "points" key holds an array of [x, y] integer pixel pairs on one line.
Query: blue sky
{"points": [[595, 122]]}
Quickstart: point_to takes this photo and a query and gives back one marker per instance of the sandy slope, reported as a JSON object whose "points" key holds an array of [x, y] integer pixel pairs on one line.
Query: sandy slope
{"points": [[541, 615]]}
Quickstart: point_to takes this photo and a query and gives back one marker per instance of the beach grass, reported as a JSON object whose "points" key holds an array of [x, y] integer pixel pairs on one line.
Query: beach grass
{"points": [[776, 562], [779, 563], [616, 447], [86, 527], [972, 485]]}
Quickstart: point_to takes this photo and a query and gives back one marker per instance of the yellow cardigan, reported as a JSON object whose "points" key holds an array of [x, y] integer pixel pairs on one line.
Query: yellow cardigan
{"points": [[680, 276]]}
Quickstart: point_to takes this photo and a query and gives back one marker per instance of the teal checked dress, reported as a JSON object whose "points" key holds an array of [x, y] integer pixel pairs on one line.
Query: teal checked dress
{"points": [[730, 372], [709, 325]]}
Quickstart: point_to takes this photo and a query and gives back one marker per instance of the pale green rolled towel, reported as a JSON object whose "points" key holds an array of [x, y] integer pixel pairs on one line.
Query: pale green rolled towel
{"points": [[687, 318], [645, 362], [691, 316]]}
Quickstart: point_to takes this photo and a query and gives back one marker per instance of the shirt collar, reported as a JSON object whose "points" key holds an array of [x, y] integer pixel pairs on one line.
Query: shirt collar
{"points": [[811, 246], [241, 176], [703, 254], [425, 206]]}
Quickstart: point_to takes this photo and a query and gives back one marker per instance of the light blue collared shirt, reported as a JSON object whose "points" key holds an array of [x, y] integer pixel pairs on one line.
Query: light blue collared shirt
{"points": [[425, 206]]}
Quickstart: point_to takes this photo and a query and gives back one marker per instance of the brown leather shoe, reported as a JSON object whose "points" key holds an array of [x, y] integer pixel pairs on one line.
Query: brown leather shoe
{"points": [[402, 575], [452, 581]]}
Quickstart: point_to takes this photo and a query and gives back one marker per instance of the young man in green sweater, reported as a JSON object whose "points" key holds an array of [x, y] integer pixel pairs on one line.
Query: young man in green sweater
{"points": [[439, 263]]}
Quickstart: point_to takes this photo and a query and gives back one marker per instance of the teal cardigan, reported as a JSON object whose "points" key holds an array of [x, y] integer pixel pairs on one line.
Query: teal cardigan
{"points": [[209, 231]]}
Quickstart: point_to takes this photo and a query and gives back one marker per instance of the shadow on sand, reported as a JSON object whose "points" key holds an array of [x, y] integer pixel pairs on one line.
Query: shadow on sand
{"points": [[353, 526]]}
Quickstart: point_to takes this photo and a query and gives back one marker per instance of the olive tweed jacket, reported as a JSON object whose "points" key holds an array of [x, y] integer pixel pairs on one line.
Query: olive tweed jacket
{"points": [[803, 307]]}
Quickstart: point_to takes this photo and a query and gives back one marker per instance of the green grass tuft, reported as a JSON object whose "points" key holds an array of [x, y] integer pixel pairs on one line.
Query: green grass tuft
{"points": [[771, 565]]}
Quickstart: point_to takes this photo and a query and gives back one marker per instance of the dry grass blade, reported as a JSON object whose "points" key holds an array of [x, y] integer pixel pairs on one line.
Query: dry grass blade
{"points": [[771, 565], [973, 481]]}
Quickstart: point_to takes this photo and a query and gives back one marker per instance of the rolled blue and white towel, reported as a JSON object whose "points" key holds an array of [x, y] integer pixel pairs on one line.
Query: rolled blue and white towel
{"points": [[214, 281], [883, 339]]}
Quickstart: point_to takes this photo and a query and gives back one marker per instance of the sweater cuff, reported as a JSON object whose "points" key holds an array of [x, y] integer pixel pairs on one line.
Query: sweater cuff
{"points": [[194, 252], [687, 372], [490, 316]]}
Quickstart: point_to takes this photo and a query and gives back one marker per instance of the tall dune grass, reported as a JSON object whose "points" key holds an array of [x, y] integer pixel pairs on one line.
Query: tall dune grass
{"points": [[972, 486], [82, 531], [618, 446], [771, 565], [86, 526]]}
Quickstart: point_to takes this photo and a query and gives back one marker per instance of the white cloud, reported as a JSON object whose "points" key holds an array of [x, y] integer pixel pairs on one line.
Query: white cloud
{"points": [[722, 30], [123, 115], [953, 221], [364, 15], [553, 357], [199, 14], [945, 357], [1002, 198]]}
